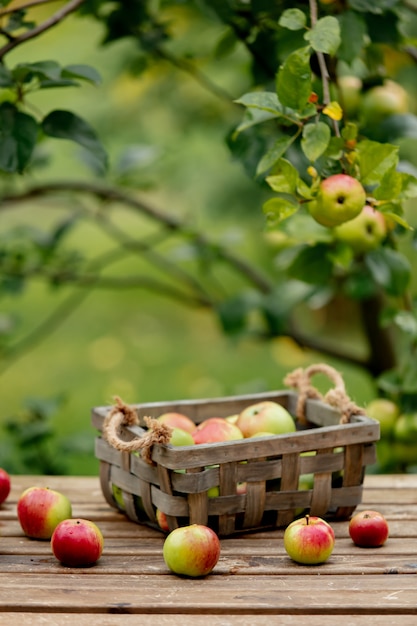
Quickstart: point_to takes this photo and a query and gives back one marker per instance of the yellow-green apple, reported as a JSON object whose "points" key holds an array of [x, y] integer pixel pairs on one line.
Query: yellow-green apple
{"points": [[309, 540], [5, 484], [368, 529], [232, 418], [384, 100], [118, 496], [40, 510], [405, 428], [177, 420], [192, 550], [365, 232], [386, 412], [216, 429], [265, 417], [340, 198], [350, 87], [77, 542], [180, 437]]}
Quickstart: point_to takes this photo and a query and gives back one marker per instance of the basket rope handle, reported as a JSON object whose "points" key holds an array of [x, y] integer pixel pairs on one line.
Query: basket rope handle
{"points": [[337, 397], [124, 415]]}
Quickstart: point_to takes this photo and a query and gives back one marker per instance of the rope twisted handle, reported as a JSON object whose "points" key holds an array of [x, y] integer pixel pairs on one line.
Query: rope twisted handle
{"points": [[337, 397], [123, 415]]}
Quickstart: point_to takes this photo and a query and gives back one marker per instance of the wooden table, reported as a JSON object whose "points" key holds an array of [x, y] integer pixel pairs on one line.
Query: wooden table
{"points": [[253, 581]]}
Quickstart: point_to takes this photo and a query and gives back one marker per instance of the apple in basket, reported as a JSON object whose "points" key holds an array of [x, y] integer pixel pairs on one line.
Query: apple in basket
{"points": [[191, 551], [177, 420], [216, 429], [77, 543], [5, 484], [40, 510], [265, 416], [309, 540]]}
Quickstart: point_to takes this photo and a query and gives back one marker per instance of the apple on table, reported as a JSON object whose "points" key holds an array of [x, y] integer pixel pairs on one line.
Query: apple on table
{"points": [[40, 510], [192, 550], [77, 542], [309, 540], [368, 529], [5, 485]]}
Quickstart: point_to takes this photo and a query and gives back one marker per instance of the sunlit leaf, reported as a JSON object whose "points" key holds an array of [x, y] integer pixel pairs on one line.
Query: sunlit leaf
{"points": [[284, 177], [279, 209], [315, 140], [325, 36], [334, 111], [293, 19], [375, 159]]}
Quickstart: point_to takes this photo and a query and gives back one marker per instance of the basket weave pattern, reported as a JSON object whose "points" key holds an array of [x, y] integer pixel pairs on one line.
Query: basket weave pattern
{"points": [[179, 481]]}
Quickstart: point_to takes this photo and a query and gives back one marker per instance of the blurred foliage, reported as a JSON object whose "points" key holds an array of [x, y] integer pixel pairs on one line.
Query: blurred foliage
{"points": [[210, 110]]}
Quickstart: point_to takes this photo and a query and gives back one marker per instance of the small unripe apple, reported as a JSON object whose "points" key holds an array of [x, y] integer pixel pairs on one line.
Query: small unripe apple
{"points": [[384, 100], [309, 540], [265, 417], [368, 529], [216, 429], [364, 232], [192, 550], [40, 510], [386, 412], [350, 93], [340, 198], [5, 484], [77, 543], [405, 428]]}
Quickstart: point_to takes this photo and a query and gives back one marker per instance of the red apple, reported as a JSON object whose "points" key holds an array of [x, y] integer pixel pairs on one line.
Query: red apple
{"points": [[77, 543], [340, 198], [192, 550], [161, 519], [177, 420], [215, 429], [40, 510], [265, 417], [368, 529], [309, 540], [365, 232], [5, 484]]}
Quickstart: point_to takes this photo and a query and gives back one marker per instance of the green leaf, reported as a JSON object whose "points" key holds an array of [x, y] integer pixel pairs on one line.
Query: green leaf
{"points": [[390, 270], [293, 19], [274, 154], [284, 177], [294, 79], [278, 209], [312, 265], [264, 100], [325, 36], [352, 33], [6, 79], [18, 136], [67, 125], [390, 186], [375, 159], [372, 6], [315, 140], [82, 72], [252, 117], [44, 70]]}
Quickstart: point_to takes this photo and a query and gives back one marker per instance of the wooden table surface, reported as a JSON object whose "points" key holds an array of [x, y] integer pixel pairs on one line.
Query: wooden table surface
{"points": [[253, 581]]}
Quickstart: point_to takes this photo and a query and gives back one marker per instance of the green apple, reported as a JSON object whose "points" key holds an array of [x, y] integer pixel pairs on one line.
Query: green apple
{"points": [[405, 429], [181, 437], [386, 412], [384, 100], [364, 232], [265, 417], [350, 88], [340, 198]]}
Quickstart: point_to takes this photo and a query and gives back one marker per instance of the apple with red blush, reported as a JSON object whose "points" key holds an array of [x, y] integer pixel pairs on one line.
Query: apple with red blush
{"points": [[216, 429], [368, 529], [77, 542], [340, 198], [192, 550], [177, 420], [265, 417], [40, 510], [5, 485], [309, 540]]}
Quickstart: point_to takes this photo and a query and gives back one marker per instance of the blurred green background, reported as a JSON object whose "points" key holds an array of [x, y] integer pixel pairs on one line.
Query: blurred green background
{"points": [[133, 343]]}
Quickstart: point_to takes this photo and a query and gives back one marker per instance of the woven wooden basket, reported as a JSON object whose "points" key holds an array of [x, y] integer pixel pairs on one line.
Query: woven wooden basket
{"points": [[180, 481]]}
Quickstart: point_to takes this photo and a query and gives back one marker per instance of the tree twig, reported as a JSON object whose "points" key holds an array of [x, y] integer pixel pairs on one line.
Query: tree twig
{"points": [[23, 7]]}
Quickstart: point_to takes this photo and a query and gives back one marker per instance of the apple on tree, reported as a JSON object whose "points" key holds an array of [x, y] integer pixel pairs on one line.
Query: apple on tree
{"points": [[40, 510], [5, 484], [368, 529], [309, 540], [265, 417], [386, 412], [364, 232], [381, 101], [340, 198], [192, 550], [77, 542]]}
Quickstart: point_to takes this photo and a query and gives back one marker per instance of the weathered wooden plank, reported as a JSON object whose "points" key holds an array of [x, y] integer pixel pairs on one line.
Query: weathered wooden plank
{"points": [[58, 619], [261, 595]]}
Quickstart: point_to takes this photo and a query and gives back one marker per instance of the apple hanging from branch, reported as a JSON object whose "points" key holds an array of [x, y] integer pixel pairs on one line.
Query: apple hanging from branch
{"points": [[340, 198]]}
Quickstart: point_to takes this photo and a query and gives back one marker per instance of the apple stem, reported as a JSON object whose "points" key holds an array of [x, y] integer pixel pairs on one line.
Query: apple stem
{"points": [[307, 519]]}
